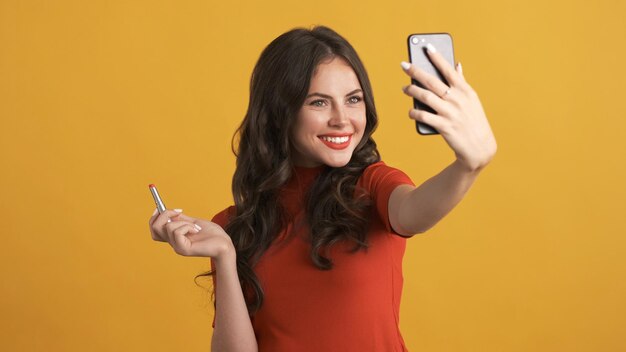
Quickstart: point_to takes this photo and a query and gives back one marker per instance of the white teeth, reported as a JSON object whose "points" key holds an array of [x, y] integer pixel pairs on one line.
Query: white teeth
{"points": [[336, 140]]}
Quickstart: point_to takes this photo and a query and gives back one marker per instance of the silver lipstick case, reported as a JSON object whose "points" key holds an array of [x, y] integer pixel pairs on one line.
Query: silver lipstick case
{"points": [[157, 199]]}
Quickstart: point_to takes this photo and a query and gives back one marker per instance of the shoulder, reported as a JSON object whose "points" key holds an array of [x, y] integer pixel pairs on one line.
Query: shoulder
{"points": [[380, 180], [223, 217], [379, 174]]}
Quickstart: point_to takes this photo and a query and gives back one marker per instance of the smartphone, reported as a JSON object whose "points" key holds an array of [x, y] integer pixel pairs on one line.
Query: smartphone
{"points": [[157, 199], [419, 57]]}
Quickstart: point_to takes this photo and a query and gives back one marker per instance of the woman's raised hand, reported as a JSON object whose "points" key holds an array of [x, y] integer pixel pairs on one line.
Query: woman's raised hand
{"points": [[190, 236], [460, 118]]}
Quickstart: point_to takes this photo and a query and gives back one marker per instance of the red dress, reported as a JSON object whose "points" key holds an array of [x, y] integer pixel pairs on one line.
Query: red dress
{"points": [[352, 307]]}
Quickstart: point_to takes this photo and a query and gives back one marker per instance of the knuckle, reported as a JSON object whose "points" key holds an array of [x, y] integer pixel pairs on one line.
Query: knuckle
{"points": [[419, 94], [416, 74], [155, 235], [181, 251], [442, 128], [430, 85], [471, 92], [429, 98], [463, 86]]}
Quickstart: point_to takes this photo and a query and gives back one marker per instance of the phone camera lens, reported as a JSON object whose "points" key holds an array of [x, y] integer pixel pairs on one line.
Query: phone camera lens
{"points": [[415, 40]]}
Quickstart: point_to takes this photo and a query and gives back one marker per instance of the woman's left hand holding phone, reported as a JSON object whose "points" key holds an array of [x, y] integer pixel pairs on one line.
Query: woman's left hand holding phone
{"points": [[460, 117]]}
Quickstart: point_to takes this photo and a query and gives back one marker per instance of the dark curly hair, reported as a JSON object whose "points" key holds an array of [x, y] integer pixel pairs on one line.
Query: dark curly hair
{"points": [[335, 210]]}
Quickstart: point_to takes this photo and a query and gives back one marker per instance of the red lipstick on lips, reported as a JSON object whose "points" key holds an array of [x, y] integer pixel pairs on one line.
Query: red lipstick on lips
{"points": [[336, 146]]}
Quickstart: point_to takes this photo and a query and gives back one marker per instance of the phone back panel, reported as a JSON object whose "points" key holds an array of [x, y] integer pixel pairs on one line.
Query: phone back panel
{"points": [[419, 57]]}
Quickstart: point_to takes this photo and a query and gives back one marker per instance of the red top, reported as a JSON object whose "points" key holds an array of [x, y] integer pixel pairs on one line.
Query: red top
{"points": [[352, 307]]}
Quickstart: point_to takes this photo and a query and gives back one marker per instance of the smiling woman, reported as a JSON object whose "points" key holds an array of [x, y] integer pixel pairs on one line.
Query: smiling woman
{"points": [[309, 258]]}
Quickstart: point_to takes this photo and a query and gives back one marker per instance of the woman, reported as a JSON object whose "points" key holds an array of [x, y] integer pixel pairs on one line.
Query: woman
{"points": [[310, 256]]}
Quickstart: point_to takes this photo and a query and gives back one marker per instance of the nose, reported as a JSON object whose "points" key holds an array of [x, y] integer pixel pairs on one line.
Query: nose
{"points": [[339, 117]]}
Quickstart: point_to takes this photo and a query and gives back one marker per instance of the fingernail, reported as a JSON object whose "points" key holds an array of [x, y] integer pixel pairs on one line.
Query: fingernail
{"points": [[155, 211], [405, 88], [197, 227], [430, 48], [178, 210], [405, 65], [460, 67]]}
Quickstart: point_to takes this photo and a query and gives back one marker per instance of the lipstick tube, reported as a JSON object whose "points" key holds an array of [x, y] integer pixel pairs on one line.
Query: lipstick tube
{"points": [[157, 199]]}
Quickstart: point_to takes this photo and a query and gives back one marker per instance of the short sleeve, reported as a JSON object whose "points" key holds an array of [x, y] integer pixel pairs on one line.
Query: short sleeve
{"points": [[379, 180], [221, 219]]}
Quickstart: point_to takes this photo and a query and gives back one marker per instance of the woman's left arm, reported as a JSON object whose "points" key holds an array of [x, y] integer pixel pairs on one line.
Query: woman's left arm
{"points": [[461, 121]]}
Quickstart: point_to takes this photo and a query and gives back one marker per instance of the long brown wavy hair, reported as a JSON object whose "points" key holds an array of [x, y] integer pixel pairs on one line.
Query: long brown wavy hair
{"points": [[335, 210]]}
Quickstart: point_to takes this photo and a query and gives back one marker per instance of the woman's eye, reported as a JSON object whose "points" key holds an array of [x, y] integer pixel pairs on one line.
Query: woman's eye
{"points": [[355, 99], [317, 103]]}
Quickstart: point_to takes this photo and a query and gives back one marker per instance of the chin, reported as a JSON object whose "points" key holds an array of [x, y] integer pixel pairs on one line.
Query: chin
{"points": [[337, 162]]}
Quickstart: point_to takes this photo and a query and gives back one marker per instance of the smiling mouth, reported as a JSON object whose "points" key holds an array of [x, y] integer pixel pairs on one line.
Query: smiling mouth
{"points": [[339, 142]]}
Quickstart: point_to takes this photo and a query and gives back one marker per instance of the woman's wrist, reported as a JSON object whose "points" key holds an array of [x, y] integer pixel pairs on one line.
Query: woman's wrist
{"points": [[228, 254]]}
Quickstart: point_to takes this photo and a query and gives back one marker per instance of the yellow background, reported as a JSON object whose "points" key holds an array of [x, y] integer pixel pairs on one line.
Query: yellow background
{"points": [[100, 98]]}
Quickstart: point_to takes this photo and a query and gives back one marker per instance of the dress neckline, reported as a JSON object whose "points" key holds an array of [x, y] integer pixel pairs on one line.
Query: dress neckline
{"points": [[303, 170], [302, 177]]}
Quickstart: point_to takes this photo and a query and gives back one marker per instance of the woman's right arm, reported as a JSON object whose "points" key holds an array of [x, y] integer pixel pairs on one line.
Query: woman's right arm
{"points": [[194, 237], [233, 329]]}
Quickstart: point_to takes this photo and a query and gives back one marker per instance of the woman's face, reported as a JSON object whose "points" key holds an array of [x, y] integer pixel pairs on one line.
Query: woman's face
{"points": [[331, 122]]}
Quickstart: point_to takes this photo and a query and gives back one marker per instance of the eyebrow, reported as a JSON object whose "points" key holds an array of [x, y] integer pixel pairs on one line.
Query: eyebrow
{"points": [[328, 96]]}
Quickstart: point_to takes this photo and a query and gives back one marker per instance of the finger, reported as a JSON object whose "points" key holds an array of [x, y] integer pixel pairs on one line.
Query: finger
{"points": [[446, 69], [184, 217], [430, 82], [459, 69], [180, 242], [163, 218], [428, 118], [155, 233], [427, 97], [153, 217], [183, 244], [172, 227]]}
